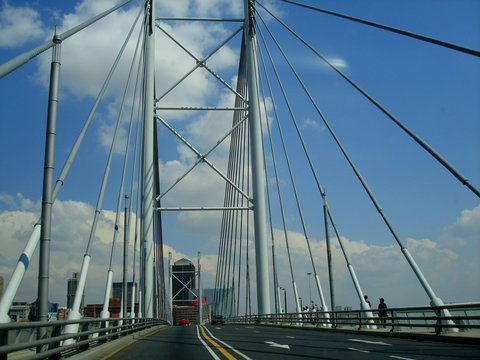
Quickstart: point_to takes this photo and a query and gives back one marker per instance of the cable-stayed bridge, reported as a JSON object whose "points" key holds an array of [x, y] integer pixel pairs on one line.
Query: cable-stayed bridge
{"points": [[250, 151]]}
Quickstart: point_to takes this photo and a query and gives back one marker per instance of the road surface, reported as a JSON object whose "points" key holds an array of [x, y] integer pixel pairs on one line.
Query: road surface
{"points": [[254, 342]]}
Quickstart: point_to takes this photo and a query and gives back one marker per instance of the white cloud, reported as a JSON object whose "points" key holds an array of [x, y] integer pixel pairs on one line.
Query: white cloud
{"points": [[310, 124], [465, 230], [381, 270], [338, 63], [17, 202], [19, 25]]}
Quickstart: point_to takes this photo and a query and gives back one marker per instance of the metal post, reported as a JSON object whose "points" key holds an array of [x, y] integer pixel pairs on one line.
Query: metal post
{"points": [[309, 289], [200, 302], [330, 270], [279, 299], [43, 273], [147, 168], [170, 288], [125, 258], [261, 256]]}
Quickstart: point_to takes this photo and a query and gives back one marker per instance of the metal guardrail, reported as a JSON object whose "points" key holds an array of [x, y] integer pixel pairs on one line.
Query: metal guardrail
{"points": [[17, 336], [463, 317]]}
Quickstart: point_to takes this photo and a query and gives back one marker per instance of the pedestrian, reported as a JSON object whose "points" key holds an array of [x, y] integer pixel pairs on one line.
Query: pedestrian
{"points": [[382, 314], [367, 301]]}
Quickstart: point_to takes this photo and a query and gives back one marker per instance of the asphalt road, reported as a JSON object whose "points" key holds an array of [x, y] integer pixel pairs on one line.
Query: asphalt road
{"points": [[250, 342]]}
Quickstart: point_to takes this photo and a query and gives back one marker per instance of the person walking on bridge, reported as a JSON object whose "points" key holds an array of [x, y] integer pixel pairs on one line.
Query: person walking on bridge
{"points": [[367, 301], [382, 314]]}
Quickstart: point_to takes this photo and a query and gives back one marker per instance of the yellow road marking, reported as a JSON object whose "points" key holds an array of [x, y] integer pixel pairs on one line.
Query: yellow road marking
{"points": [[219, 348], [130, 343]]}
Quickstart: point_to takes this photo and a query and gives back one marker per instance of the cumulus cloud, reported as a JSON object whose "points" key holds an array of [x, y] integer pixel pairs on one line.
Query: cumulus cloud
{"points": [[19, 25], [381, 270], [71, 224], [17, 202], [465, 230]]}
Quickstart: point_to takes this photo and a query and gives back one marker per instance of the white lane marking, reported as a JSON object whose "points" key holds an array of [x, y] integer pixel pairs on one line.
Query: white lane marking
{"points": [[227, 345], [401, 358], [249, 327], [206, 346], [353, 349], [370, 342], [291, 337], [274, 344]]}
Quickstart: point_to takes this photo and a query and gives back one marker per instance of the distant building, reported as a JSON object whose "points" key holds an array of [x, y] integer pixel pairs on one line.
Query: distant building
{"points": [[220, 300], [117, 291], [72, 285], [94, 310], [62, 313], [20, 311], [183, 282], [52, 309], [1, 287]]}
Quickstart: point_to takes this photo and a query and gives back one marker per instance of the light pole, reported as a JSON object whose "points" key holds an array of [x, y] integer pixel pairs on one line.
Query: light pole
{"points": [[301, 303], [285, 297], [309, 290]]}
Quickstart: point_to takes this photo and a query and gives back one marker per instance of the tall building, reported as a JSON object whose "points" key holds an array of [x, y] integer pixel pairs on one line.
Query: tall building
{"points": [[183, 274], [117, 292], [72, 288], [1, 287]]}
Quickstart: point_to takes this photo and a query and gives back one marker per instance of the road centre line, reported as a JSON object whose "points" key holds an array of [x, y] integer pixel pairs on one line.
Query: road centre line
{"points": [[219, 348], [229, 346], [370, 342], [400, 358], [206, 346], [363, 351]]}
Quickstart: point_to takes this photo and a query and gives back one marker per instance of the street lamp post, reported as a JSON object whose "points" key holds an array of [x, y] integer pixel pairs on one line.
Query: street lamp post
{"points": [[309, 290], [301, 303], [285, 298]]}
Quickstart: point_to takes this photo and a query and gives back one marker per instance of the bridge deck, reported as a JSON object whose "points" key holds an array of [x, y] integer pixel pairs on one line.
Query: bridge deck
{"points": [[258, 342]]}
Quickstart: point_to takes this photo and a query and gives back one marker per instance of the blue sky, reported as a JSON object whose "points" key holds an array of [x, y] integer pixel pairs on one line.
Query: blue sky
{"points": [[433, 91]]}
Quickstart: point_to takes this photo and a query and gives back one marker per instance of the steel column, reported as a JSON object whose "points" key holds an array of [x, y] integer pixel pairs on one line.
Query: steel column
{"points": [[125, 257], [47, 201], [261, 251], [200, 302], [147, 168]]}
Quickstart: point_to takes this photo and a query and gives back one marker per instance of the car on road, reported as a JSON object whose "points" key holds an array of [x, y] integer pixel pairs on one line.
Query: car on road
{"points": [[218, 319], [185, 322]]}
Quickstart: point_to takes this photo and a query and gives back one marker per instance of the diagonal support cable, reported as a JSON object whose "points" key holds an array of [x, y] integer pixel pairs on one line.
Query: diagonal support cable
{"points": [[200, 63], [416, 138], [208, 162], [435, 300], [391, 29], [198, 60], [200, 159], [21, 59]]}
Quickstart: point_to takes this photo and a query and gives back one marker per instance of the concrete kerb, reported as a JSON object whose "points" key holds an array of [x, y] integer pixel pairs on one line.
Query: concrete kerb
{"points": [[469, 338], [100, 351]]}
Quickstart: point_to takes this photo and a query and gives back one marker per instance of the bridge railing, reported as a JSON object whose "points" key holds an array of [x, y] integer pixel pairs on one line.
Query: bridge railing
{"points": [[463, 317], [18, 336]]}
